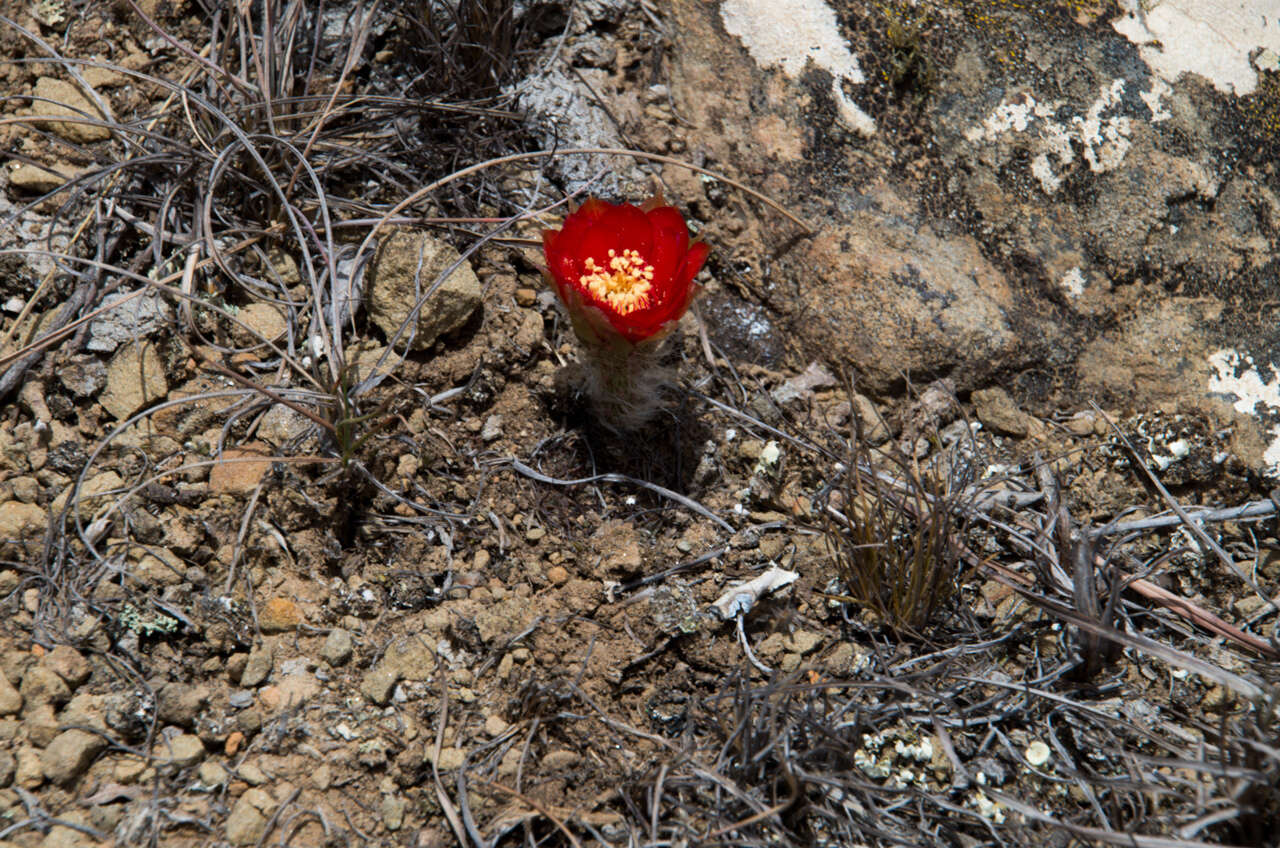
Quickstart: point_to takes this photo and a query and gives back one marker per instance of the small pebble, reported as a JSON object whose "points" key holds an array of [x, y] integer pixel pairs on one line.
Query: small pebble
{"points": [[533, 534], [526, 297], [1038, 753]]}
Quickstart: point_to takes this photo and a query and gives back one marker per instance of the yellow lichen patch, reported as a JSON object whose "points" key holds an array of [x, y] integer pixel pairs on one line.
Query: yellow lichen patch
{"points": [[624, 285]]}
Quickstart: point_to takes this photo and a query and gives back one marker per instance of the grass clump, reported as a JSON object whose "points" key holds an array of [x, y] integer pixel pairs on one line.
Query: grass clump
{"points": [[893, 525]]}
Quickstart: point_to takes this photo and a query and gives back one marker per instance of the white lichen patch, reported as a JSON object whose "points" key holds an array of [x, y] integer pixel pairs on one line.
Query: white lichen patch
{"points": [[1236, 376], [1102, 132], [895, 757], [1072, 282], [1212, 38], [788, 34], [1159, 90]]}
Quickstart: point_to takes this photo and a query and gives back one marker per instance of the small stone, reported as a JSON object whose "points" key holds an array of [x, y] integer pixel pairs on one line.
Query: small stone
{"points": [[1081, 424], [40, 685], [180, 703], [161, 568], [322, 777], [130, 770], [526, 297], [495, 725], [337, 647], [21, 520], [251, 774], [38, 180], [379, 684], [69, 664], [83, 377], [238, 471], [492, 429], [996, 409], [135, 378], [10, 698], [8, 768], [534, 534], [449, 759], [258, 666], [804, 641], [29, 772], [41, 724], [70, 754], [558, 575], [560, 760], [261, 321], [404, 268], [1038, 753], [248, 819], [279, 615], [56, 99], [184, 750], [212, 774], [235, 739], [393, 807]]}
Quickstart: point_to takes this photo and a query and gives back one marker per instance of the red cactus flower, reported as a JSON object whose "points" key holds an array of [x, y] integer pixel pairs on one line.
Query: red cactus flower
{"points": [[631, 266]]}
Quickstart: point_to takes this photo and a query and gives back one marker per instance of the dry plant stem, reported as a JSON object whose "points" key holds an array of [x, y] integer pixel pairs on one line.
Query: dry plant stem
{"points": [[1196, 530]]}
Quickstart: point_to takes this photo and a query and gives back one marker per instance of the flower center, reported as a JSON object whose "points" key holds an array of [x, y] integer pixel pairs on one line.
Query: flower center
{"points": [[625, 284]]}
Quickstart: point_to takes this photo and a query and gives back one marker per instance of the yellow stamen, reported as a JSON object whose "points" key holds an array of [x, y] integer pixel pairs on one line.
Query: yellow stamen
{"points": [[624, 285]]}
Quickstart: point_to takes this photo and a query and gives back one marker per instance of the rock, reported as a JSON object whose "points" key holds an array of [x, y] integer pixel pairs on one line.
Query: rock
{"points": [[258, 666], [261, 321], [411, 658], [278, 615], [450, 758], [184, 750], [70, 754], [212, 773], [997, 411], [83, 376], [180, 703], [337, 647], [135, 379], [379, 684], [531, 331], [558, 575], [67, 663], [40, 685], [281, 424], [248, 819], [21, 520], [85, 709], [99, 485], [10, 698], [129, 317], [296, 689], [560, 760], [896, 298], [492, 429], [40, 180], [41, 724], [56, 99], [239, 470], [405, 266], [526, 297], [29, 772], [8, 768], [159, 567], [393, 807]]}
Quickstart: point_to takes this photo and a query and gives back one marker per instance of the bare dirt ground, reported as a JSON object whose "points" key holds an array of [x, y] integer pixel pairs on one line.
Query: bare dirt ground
{"points": [[285, 565]]}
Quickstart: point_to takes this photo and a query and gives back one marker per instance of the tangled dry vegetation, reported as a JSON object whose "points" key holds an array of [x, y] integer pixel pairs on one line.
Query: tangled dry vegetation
{"points": [[277, 575]]}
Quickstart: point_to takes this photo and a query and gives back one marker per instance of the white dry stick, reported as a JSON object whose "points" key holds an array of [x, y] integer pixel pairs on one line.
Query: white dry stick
{"points": [[742, 597]]}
